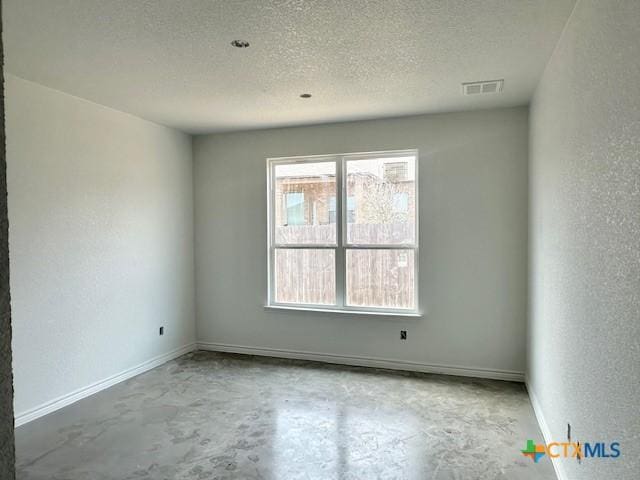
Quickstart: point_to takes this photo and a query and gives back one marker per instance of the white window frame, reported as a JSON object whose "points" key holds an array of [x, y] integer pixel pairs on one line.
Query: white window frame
{"points": [[341, 245]]}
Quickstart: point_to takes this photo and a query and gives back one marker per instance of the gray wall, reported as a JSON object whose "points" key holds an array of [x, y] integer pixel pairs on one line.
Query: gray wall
{"points": [[7, 455], [584, 335], [473, 221], [101, 239]]}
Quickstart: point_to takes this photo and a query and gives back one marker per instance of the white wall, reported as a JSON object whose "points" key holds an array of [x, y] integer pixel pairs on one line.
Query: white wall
{"points": [[473, 221], [101, 241], [584, 334]]}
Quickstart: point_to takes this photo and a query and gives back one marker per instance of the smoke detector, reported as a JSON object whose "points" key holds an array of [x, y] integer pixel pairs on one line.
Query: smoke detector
{"points": [[487, 86]]}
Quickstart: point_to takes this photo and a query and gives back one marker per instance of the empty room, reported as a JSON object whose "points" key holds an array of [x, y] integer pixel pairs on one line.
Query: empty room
{"points": [[320, 240]]}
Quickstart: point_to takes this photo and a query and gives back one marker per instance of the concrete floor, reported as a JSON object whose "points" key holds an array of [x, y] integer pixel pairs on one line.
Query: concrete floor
{"points": [[222, 416]]}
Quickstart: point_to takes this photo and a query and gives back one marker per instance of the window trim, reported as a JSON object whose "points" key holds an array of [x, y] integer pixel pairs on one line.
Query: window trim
{"points": [[341, 246]]}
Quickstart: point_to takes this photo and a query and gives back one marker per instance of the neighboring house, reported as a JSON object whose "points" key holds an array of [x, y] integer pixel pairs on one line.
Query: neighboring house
{"points": [[310, 200]]}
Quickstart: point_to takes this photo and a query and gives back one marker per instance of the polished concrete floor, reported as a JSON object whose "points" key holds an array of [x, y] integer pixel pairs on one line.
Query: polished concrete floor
{"points": [[222, 416]]}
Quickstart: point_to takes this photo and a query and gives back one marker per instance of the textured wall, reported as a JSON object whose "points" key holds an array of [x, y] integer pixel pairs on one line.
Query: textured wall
{"points": [[7, 460], [584, 336], [101, 237], [473, 235]]}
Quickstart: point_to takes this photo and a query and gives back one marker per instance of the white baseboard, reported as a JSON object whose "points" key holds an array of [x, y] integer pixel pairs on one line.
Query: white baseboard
{"points": [[68, 399], [366, 361], [544, 428]]}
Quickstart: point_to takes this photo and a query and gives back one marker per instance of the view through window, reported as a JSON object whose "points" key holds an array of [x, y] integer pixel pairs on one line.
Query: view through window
{"points": [[343, 231]]}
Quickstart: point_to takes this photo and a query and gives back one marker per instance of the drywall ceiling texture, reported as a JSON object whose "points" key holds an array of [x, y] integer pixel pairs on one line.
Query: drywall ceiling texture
{"points": [[473, 241], [7, 449], [172, 62], [101, 238], [584, 334]]}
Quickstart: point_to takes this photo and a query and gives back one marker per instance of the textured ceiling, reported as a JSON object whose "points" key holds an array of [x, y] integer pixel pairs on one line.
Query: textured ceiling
{"points": [[172, 62]]}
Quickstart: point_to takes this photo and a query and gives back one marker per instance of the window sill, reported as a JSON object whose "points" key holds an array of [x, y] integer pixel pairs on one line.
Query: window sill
{"points": [[344, 312]]}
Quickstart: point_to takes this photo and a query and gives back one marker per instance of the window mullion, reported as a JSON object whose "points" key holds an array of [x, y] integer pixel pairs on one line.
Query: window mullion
{"points": [[340, 231]]}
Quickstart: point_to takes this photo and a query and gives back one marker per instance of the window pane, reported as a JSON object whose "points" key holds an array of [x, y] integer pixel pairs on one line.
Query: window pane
{"points": [[381, 201], [304, 275], [305, 209], [380, 278]]}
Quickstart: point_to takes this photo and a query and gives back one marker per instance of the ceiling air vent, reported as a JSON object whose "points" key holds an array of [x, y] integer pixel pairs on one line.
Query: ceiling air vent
{"points": [[489, 86]]}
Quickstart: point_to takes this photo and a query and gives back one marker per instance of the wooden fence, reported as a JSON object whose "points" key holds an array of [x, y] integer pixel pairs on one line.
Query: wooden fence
{"points": [[375, 278]]}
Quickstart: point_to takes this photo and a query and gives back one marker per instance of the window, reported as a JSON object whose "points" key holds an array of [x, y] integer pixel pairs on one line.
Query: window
{"points": [[395, 171], [343, 232], [351, 209], [400, 203], [332, 209], [295, 208]]}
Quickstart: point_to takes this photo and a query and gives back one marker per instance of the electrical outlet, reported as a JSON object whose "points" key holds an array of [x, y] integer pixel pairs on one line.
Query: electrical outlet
{"points": [[403, 334], [161, 331]]}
